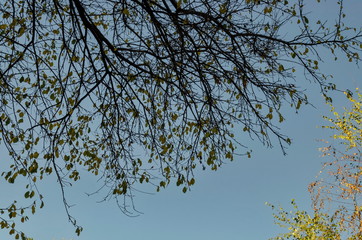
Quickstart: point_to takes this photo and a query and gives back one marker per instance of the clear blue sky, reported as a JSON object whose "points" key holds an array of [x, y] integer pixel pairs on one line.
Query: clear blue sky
{"points": [[227, 204]]}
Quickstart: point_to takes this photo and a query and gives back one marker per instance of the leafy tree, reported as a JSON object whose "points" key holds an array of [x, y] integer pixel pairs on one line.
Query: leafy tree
{"points": [[340, 184], [336, 194], [303, 226], [144, 91]]}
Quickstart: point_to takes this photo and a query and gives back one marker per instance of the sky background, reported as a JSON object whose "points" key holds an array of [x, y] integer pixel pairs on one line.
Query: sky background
{"points": [[226, 204]]}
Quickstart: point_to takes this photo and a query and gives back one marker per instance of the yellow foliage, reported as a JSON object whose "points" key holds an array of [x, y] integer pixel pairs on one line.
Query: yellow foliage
{"points": [[349, 124]]}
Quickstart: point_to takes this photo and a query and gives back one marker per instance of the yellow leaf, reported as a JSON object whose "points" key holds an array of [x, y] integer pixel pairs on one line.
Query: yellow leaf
{"points": [[126, 12], [223, 9], [281, 68]]}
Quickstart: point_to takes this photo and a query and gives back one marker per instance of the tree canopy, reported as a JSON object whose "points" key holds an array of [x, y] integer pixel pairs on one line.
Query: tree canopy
{"points": [[337, 192], [339, 186], [144, 91]]}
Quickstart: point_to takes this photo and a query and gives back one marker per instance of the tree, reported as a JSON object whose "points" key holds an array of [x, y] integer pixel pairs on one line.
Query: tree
{"points": [[340, 186], [336, 194], [302, 226], [144, 91]]}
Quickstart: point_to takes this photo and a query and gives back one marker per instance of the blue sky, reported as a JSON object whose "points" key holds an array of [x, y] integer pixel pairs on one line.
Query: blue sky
{"points": [[227, 204]]}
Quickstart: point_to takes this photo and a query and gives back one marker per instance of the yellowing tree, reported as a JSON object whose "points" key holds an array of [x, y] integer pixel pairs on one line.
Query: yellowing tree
{"points": [[341, 184], [336, 194], [303, 226], [144, 91]]}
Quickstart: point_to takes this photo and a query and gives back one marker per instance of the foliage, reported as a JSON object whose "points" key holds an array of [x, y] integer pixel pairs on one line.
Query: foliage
{"points": [[340, 184], [144, 91], [336, 194], [349, 125], [302, 226]]}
